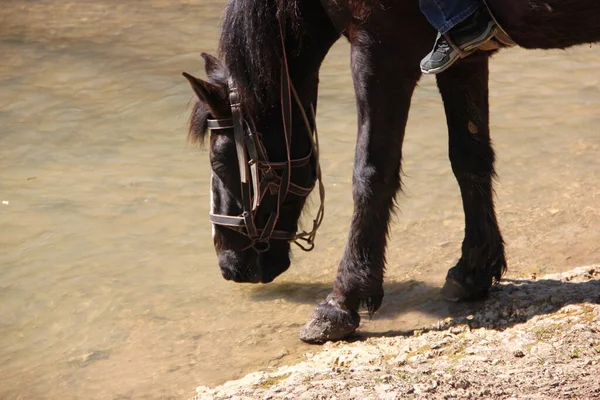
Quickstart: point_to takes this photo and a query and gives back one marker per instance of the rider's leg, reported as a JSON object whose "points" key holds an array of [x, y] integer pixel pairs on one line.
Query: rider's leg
{"points": [[464, 22], [446, 14]]}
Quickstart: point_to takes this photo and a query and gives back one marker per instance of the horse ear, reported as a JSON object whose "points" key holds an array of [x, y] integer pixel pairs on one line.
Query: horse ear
{"points": [[213, 67], [208, 93], [211, 63], [205, 91]]}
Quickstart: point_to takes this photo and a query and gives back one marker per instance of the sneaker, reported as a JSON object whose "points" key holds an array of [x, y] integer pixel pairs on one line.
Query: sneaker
{"points": [[467, 36], [440, 58]]}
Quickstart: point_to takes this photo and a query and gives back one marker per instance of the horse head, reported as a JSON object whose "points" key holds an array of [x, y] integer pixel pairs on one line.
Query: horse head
{"points": [[260, 176]]}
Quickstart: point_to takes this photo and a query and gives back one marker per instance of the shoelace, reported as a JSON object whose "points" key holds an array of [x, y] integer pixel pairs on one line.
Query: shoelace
{"points": [[443, 46]]}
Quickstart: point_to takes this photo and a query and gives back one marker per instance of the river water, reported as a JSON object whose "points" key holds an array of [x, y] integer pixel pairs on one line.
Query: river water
{"points": [[109, 287]]}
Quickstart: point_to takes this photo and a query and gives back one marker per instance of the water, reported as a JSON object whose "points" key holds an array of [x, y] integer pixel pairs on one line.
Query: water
{"points": [[109, 287]]}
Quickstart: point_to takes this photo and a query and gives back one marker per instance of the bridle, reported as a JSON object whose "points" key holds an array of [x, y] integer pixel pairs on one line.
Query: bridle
{"points": [[260, 176]]}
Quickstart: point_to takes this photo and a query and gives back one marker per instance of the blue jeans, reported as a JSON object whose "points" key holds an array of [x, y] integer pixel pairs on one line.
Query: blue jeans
{"points": [[446, 14]]}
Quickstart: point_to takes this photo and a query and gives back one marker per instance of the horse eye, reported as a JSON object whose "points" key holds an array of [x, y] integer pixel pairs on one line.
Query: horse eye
{"points": [[223, 154], [221, 143], [219, 168]]}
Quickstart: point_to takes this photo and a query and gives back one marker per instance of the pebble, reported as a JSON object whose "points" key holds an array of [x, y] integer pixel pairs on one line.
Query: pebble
{"points": [[518, 353]]}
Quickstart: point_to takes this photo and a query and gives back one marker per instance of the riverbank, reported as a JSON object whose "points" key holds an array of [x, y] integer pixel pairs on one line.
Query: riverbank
{"points": [[536, 338]]}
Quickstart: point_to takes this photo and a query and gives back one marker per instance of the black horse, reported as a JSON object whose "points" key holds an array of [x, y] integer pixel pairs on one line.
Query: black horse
{"points": [[259, 107]]}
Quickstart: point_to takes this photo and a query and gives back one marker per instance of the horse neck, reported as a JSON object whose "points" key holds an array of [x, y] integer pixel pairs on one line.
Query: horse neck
{"points": [[252, 47], [306, 46]]}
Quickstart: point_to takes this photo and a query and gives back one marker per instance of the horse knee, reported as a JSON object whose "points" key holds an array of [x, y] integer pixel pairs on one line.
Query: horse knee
{"points": [[373, 182], [471, 155]]}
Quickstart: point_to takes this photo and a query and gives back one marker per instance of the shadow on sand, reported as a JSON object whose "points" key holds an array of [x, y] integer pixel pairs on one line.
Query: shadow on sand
{"points": [[399, 296], [510, 302]]}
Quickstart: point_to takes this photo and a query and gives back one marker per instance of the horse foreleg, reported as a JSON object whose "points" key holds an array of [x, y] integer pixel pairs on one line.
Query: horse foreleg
{"points": [[464, 89], [383, 92]]}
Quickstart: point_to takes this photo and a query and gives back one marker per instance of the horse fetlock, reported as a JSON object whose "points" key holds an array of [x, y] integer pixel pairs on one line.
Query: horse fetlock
{"points": [[372, 304], [372, 299], [330, 322]]}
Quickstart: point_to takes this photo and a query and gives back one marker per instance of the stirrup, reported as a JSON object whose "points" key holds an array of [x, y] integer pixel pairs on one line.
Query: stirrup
{"points": [[461, 52], [501, 39]]}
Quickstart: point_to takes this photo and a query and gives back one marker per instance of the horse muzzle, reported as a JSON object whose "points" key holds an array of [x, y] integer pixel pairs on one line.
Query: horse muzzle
{"points": [[253, 267]]}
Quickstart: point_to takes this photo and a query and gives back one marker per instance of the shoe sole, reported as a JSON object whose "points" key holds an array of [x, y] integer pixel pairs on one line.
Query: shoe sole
{"points": [[488, 34], [453, 58]]}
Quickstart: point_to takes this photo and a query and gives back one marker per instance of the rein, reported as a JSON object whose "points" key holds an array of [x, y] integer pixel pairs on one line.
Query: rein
{"points": [[259, 176]]}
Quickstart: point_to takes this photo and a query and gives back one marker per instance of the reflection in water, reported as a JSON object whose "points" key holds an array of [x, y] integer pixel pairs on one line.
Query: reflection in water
{"points": [[108, 283]]}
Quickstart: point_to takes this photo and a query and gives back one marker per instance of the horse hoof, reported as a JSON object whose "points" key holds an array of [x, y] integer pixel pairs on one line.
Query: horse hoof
{"points": [[329, 323], [454, 291]]}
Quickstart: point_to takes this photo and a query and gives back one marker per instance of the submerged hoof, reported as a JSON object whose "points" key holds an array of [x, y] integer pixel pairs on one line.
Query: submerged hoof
{"points": [[329, 323]]}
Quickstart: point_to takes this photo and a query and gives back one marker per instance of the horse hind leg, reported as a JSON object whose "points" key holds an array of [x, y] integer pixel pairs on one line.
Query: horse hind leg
{"points": [[464, 89]]}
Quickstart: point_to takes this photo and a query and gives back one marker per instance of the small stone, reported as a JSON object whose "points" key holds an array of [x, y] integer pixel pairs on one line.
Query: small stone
{"points": [[415, 359], [440, 344], [518, 353], [419, 388], [461, 384], [400, 360], [476, 358]]}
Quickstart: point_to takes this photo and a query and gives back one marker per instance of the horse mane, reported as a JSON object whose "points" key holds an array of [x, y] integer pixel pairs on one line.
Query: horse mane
{"points": [[251, 46], [198, 124]]}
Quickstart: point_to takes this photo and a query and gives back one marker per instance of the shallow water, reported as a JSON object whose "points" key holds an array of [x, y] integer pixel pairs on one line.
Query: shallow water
{"points": [[108, 282]]}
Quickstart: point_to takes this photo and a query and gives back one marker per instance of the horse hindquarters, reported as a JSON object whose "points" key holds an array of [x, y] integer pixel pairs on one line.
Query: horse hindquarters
{"points": [[464, 89], [548, 24]]}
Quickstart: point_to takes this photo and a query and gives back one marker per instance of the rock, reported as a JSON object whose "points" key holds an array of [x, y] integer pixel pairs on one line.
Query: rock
{"points": [[518, 353], [400, 360], [428, 387], [461, 384]]}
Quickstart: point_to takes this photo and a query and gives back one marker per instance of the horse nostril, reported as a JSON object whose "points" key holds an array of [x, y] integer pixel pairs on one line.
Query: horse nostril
{"points": [[236, 276], [227, 274]]}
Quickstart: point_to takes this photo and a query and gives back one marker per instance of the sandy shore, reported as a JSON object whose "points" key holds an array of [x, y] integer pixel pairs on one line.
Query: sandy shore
{"points": [[532, 339]]}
